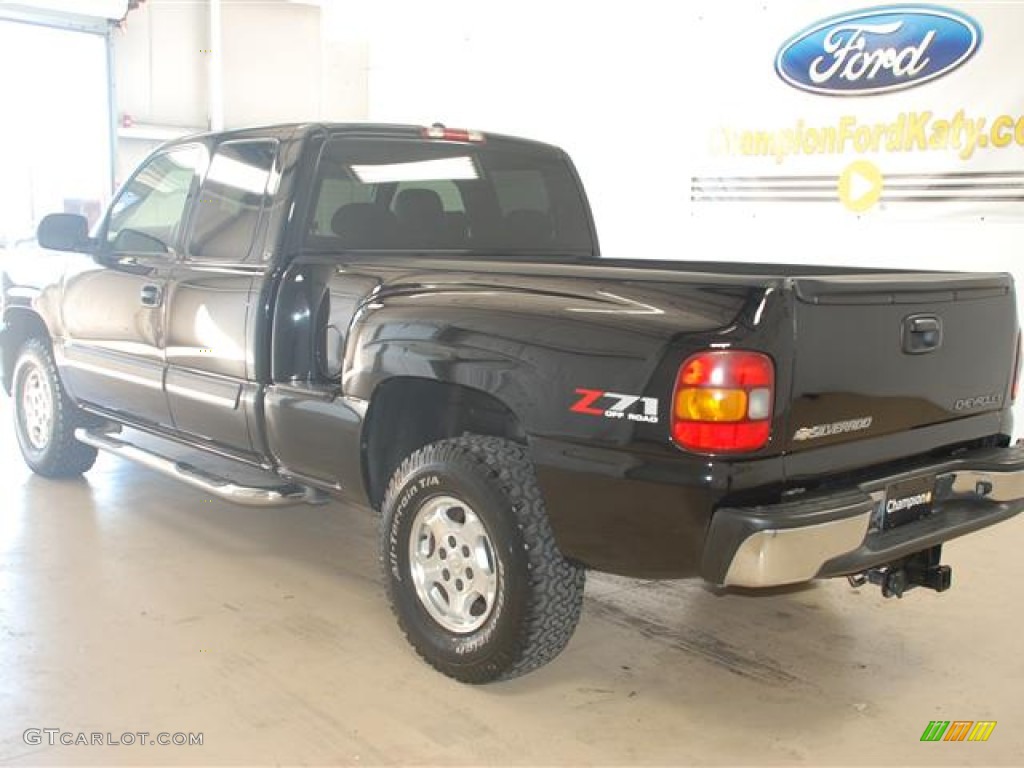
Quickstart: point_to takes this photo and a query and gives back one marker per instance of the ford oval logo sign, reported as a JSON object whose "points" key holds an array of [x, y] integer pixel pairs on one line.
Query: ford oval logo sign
{"points": [[878, 50]]}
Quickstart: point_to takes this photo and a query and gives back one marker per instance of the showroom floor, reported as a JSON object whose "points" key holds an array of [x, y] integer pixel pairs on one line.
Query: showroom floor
{"points": [[129, 603]]}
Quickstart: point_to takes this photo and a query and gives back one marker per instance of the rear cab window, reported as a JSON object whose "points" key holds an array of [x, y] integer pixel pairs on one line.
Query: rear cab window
{"points": [[401, 194]]}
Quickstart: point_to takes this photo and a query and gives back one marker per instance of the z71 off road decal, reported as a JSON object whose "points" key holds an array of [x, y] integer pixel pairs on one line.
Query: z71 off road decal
{"points": [[613, 405]]}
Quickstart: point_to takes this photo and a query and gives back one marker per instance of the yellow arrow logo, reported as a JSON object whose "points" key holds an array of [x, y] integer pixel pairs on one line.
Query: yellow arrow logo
{"points": [[860, 186]]}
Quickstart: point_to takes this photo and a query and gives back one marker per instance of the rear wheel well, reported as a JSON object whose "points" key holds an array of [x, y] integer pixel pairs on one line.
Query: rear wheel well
{"points": [[408, 413], [22, 325]]}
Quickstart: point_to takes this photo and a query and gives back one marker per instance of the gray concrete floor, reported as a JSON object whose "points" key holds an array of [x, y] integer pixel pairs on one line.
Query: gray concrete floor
{"points": [[130, 603]]}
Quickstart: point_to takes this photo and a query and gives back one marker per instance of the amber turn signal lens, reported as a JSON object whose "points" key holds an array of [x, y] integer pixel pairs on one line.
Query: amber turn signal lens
{"points": [[711, 404]]}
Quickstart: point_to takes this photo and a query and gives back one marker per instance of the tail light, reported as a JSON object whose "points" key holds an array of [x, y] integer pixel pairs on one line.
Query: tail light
{"points": [[723, 402], [1016, 371]]}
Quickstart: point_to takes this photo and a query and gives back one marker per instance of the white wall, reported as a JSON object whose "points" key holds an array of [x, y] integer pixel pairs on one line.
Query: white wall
{"points": [[272, 63], [280, 64], [160, 76], [160, 72]]}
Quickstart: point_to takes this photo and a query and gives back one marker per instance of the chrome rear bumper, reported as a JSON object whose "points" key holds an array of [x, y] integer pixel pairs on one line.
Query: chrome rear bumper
{"points": [[839, 533]]}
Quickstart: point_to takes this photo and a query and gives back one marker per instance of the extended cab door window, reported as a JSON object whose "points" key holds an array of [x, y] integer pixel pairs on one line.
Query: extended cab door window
{"points": [[146, 218], [227, 214]]}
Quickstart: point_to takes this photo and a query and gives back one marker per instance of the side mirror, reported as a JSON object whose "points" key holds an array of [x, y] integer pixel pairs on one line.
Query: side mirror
{"points": [[64, 232]]}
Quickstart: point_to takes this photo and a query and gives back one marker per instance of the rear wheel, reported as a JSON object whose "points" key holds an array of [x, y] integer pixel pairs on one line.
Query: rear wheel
{"points": [[473, 573], [45, 419]]}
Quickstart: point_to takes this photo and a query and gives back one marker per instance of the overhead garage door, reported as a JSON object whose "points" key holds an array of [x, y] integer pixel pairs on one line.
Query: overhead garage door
{"points": [[55, 102]]}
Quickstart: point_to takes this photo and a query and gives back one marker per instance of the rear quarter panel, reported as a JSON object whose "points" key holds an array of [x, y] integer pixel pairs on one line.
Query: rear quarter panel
{"points": [[620, 495], [534, 342]]}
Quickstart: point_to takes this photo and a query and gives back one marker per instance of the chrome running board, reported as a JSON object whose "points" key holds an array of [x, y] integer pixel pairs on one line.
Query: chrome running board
{"points": [[282, 495]]}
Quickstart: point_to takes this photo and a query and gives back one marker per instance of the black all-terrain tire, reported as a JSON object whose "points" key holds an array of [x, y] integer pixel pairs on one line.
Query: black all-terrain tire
{"points": [[48, 446], [538, 594]]}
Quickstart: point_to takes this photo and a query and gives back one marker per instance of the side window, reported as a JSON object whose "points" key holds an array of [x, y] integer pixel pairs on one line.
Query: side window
{"points": [[146, 217], [228, 210]]}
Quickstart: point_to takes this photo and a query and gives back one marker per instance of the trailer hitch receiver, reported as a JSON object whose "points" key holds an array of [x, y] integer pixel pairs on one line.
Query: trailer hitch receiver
{"points": [[921, 569]]}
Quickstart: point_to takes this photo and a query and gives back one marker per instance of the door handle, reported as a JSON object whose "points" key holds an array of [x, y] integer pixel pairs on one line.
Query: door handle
{"points": [[151, 295]]}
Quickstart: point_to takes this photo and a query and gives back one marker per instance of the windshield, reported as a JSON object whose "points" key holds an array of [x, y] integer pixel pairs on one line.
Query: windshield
{"points": [[399, 194]]}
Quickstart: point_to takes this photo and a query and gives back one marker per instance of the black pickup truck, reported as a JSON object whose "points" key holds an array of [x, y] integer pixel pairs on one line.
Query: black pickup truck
{"points": [[418, 320]]}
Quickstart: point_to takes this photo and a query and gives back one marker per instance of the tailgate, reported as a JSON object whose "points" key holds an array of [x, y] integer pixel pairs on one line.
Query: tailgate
{"points": [[884, 353]]}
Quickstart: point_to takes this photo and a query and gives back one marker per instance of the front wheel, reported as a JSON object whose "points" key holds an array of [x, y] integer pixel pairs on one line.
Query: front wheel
{"points": [[45, 418], [472, 570]]}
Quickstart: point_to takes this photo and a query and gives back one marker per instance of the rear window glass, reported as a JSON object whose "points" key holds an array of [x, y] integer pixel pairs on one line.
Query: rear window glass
{"points": [[397, 194]]}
